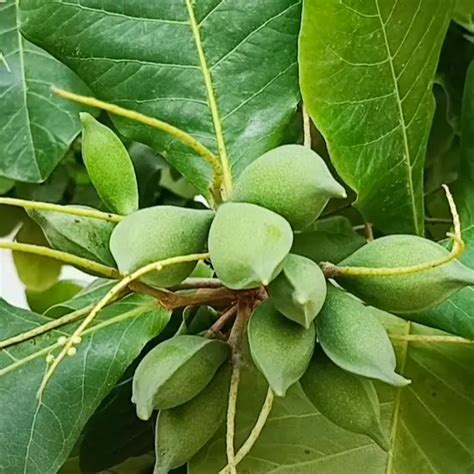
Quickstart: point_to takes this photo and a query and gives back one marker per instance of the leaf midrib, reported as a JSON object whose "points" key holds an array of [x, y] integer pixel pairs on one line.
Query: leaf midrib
{"points": [[397, 403], [108, 322], [212, 102], [406, 146], [21, 53]]}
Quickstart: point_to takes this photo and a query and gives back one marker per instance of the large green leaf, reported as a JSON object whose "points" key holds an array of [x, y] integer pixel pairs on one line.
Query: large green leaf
{"points": [[366, 71], [81, 236], [464, 14], [224, 71], [36, 272], [456, 54], [327, 240], [430, 423], [114, 433], [36, 128], [37, 436], [456, 314]]}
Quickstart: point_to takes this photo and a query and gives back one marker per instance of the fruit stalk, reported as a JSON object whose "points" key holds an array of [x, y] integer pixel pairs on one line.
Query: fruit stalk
{"points": [[175, 132], [75, 338], [74, 211], [244, 311], [84, 263]]}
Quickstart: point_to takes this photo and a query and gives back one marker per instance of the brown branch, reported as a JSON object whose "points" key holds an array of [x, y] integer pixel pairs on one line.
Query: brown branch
{"points": [[191, 283], [224, 318]]}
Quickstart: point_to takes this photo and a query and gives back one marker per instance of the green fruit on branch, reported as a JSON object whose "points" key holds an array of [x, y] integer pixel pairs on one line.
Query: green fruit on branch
{"points": [[348, 400], [299, 291], [280, 349], [354, 339], [248, 245], [291, 180], [182, 431], [109, 166], [157, 233], [409, 292], [175, 371]]}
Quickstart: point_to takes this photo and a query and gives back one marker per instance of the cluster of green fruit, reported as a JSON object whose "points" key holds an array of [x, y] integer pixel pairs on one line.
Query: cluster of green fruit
{"points": [[307, 330]]}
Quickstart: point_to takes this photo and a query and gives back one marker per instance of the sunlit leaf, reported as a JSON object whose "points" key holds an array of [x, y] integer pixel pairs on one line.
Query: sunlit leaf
{"points": [[37, 436], [228, 77], [366, 70]]}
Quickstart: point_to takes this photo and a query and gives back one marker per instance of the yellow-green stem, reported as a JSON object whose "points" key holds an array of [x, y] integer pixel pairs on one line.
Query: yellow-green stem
{"points": [[306, 128], [334, 271], [225, 167], [235, 342], [175, 132], [65, 257], [431, 339], [75, 338], [256, 430], [74, 211], [44, 328]]}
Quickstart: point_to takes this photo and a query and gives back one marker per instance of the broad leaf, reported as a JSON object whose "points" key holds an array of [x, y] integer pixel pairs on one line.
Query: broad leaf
{"points": [[366, 69], [327, 240], [89, 295], [456, 314], [456, 54], [6, 185], [41, 301], [114, 433], [36, 272], [36, 128], [464, 14], [224, 71], [51, 190], [82, 236], [430, 423], [11, 217], [37, 436]]}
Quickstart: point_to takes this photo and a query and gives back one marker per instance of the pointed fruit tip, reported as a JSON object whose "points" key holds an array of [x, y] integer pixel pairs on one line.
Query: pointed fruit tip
{"points": [[340, 192], [398, 381], [85, 117], [144, 413]]}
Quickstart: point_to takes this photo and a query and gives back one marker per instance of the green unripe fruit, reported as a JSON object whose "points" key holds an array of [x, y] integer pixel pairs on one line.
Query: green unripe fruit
{"points": [[291, 180], [354, 339], [299, 291], [175, 371], [280, 348], [406, 292], [182, 431], [157, 233], [346, 399], [248, 244], [109, 166]]}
